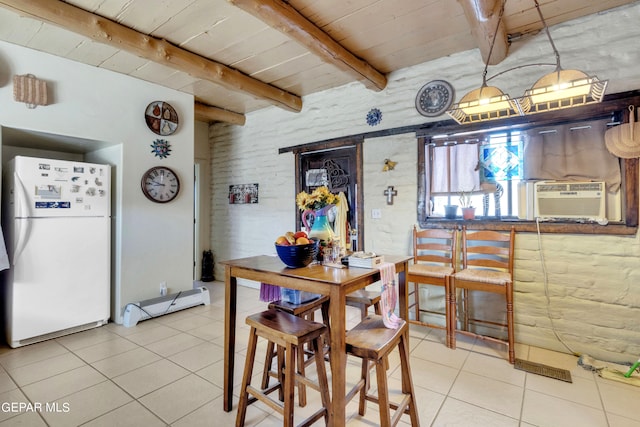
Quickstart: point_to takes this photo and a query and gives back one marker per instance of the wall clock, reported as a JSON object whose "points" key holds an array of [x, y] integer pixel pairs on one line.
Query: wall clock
{"points": [[434, 98], [160, 184]]}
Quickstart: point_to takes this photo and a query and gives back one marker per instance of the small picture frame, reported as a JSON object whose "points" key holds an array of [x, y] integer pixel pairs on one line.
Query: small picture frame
{"points": [[240, 194], [316, 178]]}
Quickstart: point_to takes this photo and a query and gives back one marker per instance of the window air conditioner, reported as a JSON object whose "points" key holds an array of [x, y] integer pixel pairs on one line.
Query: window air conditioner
{"points": [[574, 200]]}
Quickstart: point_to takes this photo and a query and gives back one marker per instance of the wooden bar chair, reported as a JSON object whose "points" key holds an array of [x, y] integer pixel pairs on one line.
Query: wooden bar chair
{"points": [[289, 333], [433, 263], [487, 266], [363, 299], [372, 341], [306, 311]]}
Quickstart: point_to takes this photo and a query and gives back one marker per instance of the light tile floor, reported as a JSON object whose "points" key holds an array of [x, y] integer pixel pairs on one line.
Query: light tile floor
{"points": [[169, 370]]}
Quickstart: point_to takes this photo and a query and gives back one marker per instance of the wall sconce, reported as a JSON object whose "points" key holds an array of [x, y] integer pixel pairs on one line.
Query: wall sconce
{"points": [[29, 90], [389, 165], [557, 90]]}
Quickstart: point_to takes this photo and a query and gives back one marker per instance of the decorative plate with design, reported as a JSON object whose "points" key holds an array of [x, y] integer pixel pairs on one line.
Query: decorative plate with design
{"points": [[161, 148], [374, 117], [434, 98], [161, 118]]}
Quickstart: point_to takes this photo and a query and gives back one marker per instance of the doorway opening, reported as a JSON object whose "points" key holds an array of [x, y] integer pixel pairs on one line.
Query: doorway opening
{"points": [[340, 169]]}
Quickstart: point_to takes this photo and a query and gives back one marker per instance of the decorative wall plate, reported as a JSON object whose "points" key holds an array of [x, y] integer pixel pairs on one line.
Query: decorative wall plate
{"points": [[434, 98], [161, 118], [374, 117], [161, 148]]}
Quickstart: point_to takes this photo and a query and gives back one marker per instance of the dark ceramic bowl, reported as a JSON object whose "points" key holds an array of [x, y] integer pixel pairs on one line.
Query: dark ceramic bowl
{"points": [[296, 256]]}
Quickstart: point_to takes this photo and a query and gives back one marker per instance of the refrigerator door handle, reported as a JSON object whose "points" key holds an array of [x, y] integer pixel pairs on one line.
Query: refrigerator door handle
{"points": [[23, 225], [22, 209]]}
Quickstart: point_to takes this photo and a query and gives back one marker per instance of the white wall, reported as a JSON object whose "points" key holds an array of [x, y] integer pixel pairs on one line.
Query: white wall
{"points": [[203, 164], [592, 280], [152, 242]]}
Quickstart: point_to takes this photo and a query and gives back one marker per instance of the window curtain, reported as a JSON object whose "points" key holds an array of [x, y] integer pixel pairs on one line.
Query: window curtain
{"points": [[455, 169], [571, 154]]}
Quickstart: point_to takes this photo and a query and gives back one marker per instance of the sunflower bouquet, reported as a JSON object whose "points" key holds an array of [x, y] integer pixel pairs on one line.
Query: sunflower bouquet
{"points": [[319, 198]]}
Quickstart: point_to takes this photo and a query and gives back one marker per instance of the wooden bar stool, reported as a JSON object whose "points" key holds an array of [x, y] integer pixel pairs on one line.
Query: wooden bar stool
{"points": [[364, 299], [372, 341], [487, 266], [306, 311], [434, 253], [289, 333]]}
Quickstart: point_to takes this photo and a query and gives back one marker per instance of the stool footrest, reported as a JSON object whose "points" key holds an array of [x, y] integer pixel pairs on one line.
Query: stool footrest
{"points": [[355, 390], [400, 408], [320, 413], [262, 397]]}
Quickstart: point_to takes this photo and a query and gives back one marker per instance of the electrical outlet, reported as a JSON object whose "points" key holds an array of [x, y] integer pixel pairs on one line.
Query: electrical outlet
{"points": [[376, 213]]}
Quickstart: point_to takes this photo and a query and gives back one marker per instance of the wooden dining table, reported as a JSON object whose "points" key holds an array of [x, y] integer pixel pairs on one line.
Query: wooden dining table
{"points": [[318, 279]]}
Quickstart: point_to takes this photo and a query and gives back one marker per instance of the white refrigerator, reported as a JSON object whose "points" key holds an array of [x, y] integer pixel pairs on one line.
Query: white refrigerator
{"points": [[57, 225]]}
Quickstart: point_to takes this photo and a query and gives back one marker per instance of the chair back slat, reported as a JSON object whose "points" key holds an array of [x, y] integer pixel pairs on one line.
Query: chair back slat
{"points": [[488, 249], [488, 263], [434, 246]]}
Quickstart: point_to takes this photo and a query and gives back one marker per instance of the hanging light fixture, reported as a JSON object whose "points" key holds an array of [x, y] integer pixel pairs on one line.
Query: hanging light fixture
{"points": [[486, 102], [556, 90], [561, 88]]}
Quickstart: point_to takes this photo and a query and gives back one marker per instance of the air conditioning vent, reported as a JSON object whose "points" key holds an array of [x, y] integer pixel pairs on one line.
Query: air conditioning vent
{"points": [[577, 200], [569, 187]]}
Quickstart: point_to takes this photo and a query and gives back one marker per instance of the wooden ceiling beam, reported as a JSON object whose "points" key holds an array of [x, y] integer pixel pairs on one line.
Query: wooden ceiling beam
{"points": [[483, 16], [105, 31], [284, 18], [207, 113]]}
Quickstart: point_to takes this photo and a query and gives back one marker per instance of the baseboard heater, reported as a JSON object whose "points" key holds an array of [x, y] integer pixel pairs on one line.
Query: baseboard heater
{"points": [[154, 307]]}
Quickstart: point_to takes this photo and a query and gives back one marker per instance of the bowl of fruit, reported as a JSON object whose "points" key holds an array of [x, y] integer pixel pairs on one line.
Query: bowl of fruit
{"points": [[296, 249]]}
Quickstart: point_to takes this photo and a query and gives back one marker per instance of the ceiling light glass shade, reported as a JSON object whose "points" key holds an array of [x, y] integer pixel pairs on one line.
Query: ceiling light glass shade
{"points": [[484, 103], [562, 89]]}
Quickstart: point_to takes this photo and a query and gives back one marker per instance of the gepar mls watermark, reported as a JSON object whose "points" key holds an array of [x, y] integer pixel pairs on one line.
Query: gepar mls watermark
{"points": [[22, 407]]}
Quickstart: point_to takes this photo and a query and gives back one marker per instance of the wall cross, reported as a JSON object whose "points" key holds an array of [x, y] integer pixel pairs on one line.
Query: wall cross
{"points": [[390, 192]]}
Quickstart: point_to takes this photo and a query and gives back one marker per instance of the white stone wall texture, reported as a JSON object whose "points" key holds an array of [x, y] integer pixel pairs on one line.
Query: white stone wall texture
{"points": [[586, 298]]}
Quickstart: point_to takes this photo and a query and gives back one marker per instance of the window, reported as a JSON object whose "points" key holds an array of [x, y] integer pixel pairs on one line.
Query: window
{"points": [[484, 170], [495, 168]]}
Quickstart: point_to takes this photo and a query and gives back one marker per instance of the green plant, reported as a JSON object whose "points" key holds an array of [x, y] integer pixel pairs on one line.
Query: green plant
{"points": [[465, 198]]}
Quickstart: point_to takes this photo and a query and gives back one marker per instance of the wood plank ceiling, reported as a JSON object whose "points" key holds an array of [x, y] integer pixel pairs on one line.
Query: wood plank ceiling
{"points": [[238, 56]]}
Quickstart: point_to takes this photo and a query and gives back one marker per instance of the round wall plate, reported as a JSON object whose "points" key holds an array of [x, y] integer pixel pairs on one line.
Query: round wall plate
{"points": [[434, 98], [161, 118], [374, 117]]}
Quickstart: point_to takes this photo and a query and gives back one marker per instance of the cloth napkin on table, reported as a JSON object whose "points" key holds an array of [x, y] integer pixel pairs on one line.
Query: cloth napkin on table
{"points": [[269, 293], [388, 295]]}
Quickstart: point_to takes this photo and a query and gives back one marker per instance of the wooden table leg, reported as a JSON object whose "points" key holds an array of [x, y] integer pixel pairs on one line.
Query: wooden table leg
{"points": [[230, 301], [403, 309], [338, 356], [403, 291]]}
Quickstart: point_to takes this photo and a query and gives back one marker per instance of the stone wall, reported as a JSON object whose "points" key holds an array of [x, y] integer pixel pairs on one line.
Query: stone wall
{"points": [[585, 290]]}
